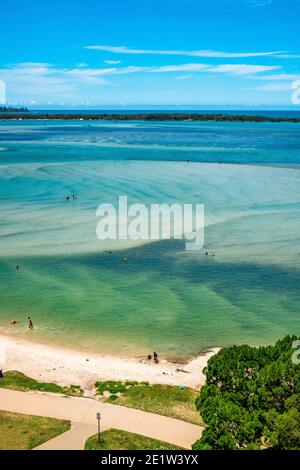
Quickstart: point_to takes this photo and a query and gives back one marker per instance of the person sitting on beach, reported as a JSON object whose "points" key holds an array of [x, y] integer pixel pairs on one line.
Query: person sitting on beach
{"points": [[155, 357], [30, 323], [149, 357]]}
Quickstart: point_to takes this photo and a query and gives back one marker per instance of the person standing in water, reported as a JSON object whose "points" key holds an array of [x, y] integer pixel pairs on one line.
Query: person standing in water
{"points": [[30, 323]]}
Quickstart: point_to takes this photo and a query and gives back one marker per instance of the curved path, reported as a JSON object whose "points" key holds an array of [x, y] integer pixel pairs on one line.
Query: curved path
{"points": [[82, 414]]}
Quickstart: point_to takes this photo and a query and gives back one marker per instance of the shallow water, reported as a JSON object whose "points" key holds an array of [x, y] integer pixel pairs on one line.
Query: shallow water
{"points": [[163, 298]]}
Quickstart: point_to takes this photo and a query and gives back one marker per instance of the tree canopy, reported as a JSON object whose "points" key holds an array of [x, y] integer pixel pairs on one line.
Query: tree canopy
{"points": [[251, 399]]}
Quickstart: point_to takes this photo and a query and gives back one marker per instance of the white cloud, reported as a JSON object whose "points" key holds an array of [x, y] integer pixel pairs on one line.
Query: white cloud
{"points": [[34, 65], [259, 3], [81, 64], [289, 56], [280, 76], [200, 53], [232, 69], [112, 62], [41, 81], [273, 87], [44, 82], [179, 68], [88, 73], [243, 69], [183, 77]]}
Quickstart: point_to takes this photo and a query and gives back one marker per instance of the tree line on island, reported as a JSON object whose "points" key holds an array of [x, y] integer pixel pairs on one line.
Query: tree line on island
{"points": [[173, 117], [251, 399]]}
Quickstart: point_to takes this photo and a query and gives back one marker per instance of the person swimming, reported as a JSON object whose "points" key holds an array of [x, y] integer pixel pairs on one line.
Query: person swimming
{"points": [[209, 254]]}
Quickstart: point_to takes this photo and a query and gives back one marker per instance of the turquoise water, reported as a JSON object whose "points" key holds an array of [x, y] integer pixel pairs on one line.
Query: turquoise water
{"points": [[61, 141], [163, 298]]}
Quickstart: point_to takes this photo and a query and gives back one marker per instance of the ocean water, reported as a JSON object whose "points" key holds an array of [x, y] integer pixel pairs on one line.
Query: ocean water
{"points": [[163, 298]]}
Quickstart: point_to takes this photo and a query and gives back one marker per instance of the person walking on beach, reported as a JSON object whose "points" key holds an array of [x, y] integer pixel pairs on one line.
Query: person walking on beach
{"points": [[155, 357], [30, 323]]}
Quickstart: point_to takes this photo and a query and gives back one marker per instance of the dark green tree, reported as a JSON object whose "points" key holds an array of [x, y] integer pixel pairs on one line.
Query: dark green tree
{"points": [[251, 399]]}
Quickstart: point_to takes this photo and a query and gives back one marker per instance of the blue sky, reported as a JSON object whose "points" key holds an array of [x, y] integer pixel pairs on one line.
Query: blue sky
{"points": [[142, 53]]}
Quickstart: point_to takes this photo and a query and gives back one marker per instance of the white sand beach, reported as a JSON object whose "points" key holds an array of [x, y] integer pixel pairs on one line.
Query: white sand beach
{"points": [[66, 366]]}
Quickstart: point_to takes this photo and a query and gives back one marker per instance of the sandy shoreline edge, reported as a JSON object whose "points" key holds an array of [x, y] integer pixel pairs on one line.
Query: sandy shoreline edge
{"points": [[67, 366]]}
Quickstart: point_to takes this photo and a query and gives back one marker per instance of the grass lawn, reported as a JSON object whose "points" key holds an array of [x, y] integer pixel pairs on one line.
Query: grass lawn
{"points": [[114, 439], [24, 432], [18, 381], [164, 400]]}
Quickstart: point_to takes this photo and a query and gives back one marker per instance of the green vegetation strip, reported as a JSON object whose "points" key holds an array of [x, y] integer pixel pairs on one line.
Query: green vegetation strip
{"points": [[114, 439], [25, 432], [17, 381], [166, 400], [216, 117]]}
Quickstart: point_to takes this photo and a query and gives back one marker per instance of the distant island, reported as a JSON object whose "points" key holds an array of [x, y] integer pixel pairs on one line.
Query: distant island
{"points": [[188, 117], [9, 109]]}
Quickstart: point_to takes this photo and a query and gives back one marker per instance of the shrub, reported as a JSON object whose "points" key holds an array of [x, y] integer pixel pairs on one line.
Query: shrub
{"points": [[110, 386]]}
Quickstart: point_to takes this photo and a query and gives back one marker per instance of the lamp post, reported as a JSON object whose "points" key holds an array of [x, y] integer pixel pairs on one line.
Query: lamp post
{"points": [[98, 416]]}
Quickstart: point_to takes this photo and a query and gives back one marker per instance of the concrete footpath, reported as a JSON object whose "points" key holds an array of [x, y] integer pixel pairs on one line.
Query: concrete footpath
{"points": [[82, 414]]}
